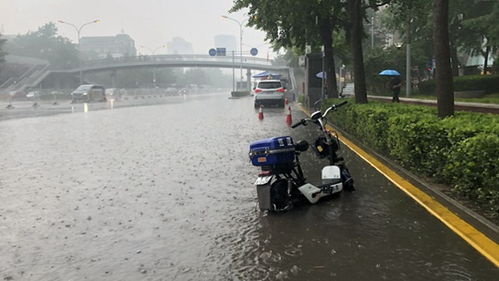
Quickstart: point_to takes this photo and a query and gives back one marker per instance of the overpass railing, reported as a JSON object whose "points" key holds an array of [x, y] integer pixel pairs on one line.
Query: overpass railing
{"points": [[175, 58]]}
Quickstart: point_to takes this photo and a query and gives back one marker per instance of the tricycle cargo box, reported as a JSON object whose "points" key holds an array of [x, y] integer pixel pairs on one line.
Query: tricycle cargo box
{"points": [[272, 151]]}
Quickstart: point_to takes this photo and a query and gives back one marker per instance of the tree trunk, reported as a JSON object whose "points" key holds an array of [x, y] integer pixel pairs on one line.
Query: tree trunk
{"points": [[358, 58], [444, 87], [329, 65]]}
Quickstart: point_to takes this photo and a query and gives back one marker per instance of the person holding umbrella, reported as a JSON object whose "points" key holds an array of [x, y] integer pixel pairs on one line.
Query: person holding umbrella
{"points": [[395, 83]]}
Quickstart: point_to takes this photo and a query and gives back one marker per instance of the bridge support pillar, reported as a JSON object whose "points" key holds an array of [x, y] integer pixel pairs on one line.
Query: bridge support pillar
{"points": [[82, 78], [114, 79], [248, 79], [57, 82]]}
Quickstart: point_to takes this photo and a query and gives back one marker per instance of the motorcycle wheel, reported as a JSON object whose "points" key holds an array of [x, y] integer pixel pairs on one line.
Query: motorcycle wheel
{"points": [[279, 195], [347, 179]]}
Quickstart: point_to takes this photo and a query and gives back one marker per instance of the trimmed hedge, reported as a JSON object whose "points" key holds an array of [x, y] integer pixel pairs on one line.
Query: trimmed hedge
{"points": [[488, 83], [461, 151]]}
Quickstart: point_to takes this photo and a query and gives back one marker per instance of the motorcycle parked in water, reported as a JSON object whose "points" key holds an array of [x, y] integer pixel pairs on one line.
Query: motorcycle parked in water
{"points": [[281, 182]]}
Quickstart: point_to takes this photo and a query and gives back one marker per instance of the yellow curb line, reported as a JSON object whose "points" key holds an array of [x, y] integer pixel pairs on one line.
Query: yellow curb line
{"points": [[475, 238]]}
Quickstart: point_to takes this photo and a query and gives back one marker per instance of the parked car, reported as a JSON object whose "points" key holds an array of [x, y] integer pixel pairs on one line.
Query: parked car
{"points": [[89, 93], [33, 95], [269, 93]]}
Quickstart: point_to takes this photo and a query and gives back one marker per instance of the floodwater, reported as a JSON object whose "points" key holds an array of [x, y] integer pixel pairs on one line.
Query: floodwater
{"points": [[164, 192]]}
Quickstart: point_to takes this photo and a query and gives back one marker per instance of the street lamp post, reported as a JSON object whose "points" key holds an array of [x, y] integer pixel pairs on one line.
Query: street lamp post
{"points": [[153, 52], [372, 32], [408, 59], [240, 23], [78, 33]]}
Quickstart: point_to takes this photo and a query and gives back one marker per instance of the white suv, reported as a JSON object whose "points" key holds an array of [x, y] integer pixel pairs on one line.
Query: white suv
{"points": [[269, 92]]}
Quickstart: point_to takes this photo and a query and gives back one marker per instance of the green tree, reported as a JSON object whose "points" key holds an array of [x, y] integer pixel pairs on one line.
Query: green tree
{"points": [[45, 44], [472, 27], [2, 52], [354, 27], [356, 31], [444, 87], [480, 34], [412, 21], [296, 23]]}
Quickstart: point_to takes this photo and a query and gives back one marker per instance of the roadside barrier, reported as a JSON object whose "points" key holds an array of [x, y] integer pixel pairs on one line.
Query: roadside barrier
{"points": [[289, 118], [260, 113]]}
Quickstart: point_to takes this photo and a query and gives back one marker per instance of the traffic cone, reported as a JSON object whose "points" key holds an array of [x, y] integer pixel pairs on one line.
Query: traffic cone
{"points": [[260, 113], [289, 118]]}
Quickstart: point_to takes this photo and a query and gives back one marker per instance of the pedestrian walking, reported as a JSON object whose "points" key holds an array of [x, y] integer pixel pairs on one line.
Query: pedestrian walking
{"points": [[395, 85]]}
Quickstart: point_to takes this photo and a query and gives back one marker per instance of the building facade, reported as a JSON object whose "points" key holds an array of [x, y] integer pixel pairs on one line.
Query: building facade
{"points": [[101, 47], [179, 46]]}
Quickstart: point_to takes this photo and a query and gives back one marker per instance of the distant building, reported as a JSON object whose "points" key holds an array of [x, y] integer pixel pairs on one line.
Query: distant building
{"points": [[226, 41], [179, 46], [101, 47]]}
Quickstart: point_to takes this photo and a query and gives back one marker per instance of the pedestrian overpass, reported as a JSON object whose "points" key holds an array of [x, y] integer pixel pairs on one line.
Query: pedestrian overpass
{"points": [[176, 61], [159, 61]]}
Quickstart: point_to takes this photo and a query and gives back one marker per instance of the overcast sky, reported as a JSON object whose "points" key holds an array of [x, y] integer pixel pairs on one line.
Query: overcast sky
{"points": [[150, 23]]}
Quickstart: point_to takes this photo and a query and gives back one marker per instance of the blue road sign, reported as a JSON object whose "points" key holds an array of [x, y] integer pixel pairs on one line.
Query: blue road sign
{"points": [[254, 51], [221, 52], [212, 52]]}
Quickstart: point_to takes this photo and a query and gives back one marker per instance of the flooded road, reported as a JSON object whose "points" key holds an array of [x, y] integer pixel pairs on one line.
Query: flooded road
{"points": [[165, 192]]}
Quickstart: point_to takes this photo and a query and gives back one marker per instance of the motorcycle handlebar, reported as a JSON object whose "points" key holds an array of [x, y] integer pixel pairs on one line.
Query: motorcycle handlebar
{"points": [[298, 124], [334, 106], [341, 103]]}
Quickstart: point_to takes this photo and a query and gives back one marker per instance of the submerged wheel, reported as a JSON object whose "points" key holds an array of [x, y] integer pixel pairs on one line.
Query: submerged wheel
{"points": [[279, 195], [347, 179]]}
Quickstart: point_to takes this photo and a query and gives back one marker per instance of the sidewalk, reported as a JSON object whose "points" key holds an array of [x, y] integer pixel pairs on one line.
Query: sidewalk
{"points": [[466, 106]]}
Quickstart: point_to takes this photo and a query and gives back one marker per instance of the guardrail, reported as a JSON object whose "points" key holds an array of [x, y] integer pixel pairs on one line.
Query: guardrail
{"points": [[167, 58], [28, 79], [189, 60], [7, 83]]}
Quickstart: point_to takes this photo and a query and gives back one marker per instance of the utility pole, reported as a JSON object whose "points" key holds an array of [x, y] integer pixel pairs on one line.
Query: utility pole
{"points": [[408, 59], [240, 23], [233, 73], [153, 53], [372, 32]]}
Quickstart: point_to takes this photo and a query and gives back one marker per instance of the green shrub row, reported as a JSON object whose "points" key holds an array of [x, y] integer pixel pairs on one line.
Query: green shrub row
{"points": [[461, 151], [488, 83]]}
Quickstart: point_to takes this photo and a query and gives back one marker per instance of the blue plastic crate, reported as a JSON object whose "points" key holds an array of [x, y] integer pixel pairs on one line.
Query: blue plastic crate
{"points": [[272, 151]]}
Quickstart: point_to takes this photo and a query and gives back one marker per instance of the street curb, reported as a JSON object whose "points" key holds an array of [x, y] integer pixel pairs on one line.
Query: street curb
{"points": [[484, 244]]}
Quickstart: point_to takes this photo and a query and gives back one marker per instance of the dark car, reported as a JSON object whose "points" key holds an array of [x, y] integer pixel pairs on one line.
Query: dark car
{"points": [[89, 93]]}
